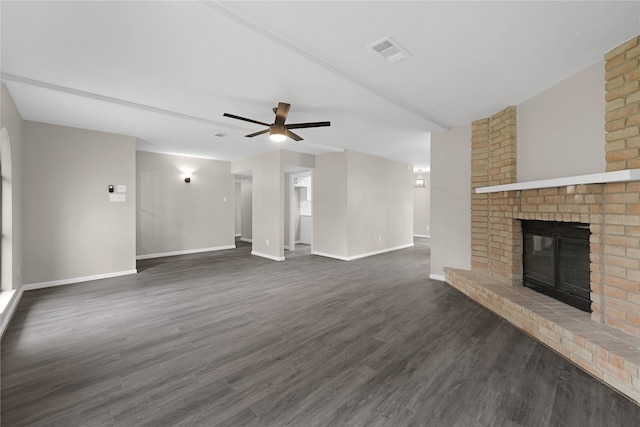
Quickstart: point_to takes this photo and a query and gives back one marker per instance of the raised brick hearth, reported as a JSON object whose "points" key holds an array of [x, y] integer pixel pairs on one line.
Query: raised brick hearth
{"points": [[606, 353], [605, 343]]}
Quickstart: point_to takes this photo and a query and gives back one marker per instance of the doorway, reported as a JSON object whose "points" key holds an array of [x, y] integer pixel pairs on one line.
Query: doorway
{"points": [[244, 208], [299, 226]]}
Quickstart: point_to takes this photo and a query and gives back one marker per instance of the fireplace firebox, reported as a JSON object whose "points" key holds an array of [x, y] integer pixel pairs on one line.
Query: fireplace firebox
{"points": [[556, 261]]}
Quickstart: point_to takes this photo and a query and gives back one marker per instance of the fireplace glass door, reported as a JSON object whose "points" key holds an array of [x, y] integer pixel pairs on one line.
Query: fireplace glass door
{"points": [[556, 261]]}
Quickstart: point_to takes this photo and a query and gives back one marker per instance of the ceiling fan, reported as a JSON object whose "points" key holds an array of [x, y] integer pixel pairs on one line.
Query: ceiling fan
{"points": [[278, 131]]}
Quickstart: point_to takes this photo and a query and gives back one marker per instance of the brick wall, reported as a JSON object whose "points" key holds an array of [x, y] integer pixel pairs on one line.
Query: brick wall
{"points": [[585, 204], [622, 118], [479, 202], [502, 165], [495, 236], [611, 210], [606, 343], [621, 257]]}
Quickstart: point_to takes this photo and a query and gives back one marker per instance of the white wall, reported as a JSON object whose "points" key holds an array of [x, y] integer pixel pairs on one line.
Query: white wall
{"points": [[238, 209], [421, 207], [14, 126], [246, 193], [363, 204], [179, 217], [12, 232], [451, 200], [287, 210], [268, 198], [380, 204], [268, 207], [293, 158], [71, 229], [330, 205], [561, 130], [295, 200]]}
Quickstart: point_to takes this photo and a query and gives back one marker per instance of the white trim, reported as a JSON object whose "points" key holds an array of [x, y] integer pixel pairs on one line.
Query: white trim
{"points": [[324, 254], [5, 297], [350, 258], [71, 280], [287, 247], [185, 252], [437, 277], [245, 239], [260, 254], [424, 236], [11, 309], [238, 235], [594, 178]]}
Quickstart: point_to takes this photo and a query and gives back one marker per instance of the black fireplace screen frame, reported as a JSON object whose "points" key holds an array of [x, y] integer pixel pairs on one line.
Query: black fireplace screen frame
{"points": [[555, 261]]}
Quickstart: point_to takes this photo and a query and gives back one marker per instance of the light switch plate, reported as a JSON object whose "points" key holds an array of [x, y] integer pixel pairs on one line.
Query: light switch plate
{"points": [[117, 197], [121, 188]]}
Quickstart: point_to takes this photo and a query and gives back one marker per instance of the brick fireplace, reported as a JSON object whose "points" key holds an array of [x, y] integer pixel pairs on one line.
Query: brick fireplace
{"points": [[605, 343]]}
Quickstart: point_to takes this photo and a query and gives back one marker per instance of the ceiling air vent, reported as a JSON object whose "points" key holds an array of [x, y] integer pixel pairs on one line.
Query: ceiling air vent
{"points": [[390, 49]]}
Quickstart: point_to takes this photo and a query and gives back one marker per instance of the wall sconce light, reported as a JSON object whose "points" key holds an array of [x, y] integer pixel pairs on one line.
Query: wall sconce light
{"points": [[187, 179], [419, 181]]}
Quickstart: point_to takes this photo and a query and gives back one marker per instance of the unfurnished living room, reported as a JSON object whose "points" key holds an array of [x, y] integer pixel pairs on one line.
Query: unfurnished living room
{"points": [[320, 213]]}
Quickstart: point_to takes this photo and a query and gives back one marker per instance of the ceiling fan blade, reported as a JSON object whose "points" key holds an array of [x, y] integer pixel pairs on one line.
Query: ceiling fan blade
{"points": [[245, 119], [292, 135], [251, 135], [308, 125], [282, 112]]}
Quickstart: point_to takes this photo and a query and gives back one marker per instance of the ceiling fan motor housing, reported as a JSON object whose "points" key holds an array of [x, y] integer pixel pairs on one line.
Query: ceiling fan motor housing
{"points": [[279, 131]]}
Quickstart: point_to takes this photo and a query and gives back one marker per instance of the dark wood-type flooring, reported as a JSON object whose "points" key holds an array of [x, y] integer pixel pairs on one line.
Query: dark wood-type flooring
{"points": [[229, 339]]}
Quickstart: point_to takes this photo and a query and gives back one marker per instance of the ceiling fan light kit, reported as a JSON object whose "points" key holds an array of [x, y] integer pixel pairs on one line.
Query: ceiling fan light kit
{"points": [[277, 133], [277, 137], [278, 130]]}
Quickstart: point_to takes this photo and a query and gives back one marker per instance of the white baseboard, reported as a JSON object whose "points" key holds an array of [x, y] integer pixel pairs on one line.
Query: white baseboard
{"points": [[324, 254], [185, 252], [424, 236], [244, 239], [5, 298], [437, 277], [9, 309], [40, 285], [287, 247], [260, 254], [351, 258], [238, 235]]}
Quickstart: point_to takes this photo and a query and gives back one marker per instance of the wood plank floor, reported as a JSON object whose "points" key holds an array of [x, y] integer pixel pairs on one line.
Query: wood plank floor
{"points": [[229, 339]]}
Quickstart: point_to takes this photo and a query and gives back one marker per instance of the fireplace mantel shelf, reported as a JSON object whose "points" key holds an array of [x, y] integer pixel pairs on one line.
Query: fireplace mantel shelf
{"points": [[595, 178]]}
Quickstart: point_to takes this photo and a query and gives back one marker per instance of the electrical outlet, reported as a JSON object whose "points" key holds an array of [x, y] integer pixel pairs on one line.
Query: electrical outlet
{"points": [[379, 238], [267, 242], [224, 199]]}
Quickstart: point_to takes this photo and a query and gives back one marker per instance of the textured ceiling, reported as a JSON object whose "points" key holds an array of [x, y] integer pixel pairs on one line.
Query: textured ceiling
{"points": [[165, 72]]}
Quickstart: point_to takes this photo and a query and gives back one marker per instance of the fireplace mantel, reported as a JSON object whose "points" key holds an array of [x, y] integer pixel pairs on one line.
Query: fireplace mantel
{"points": [[595, 178]]}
